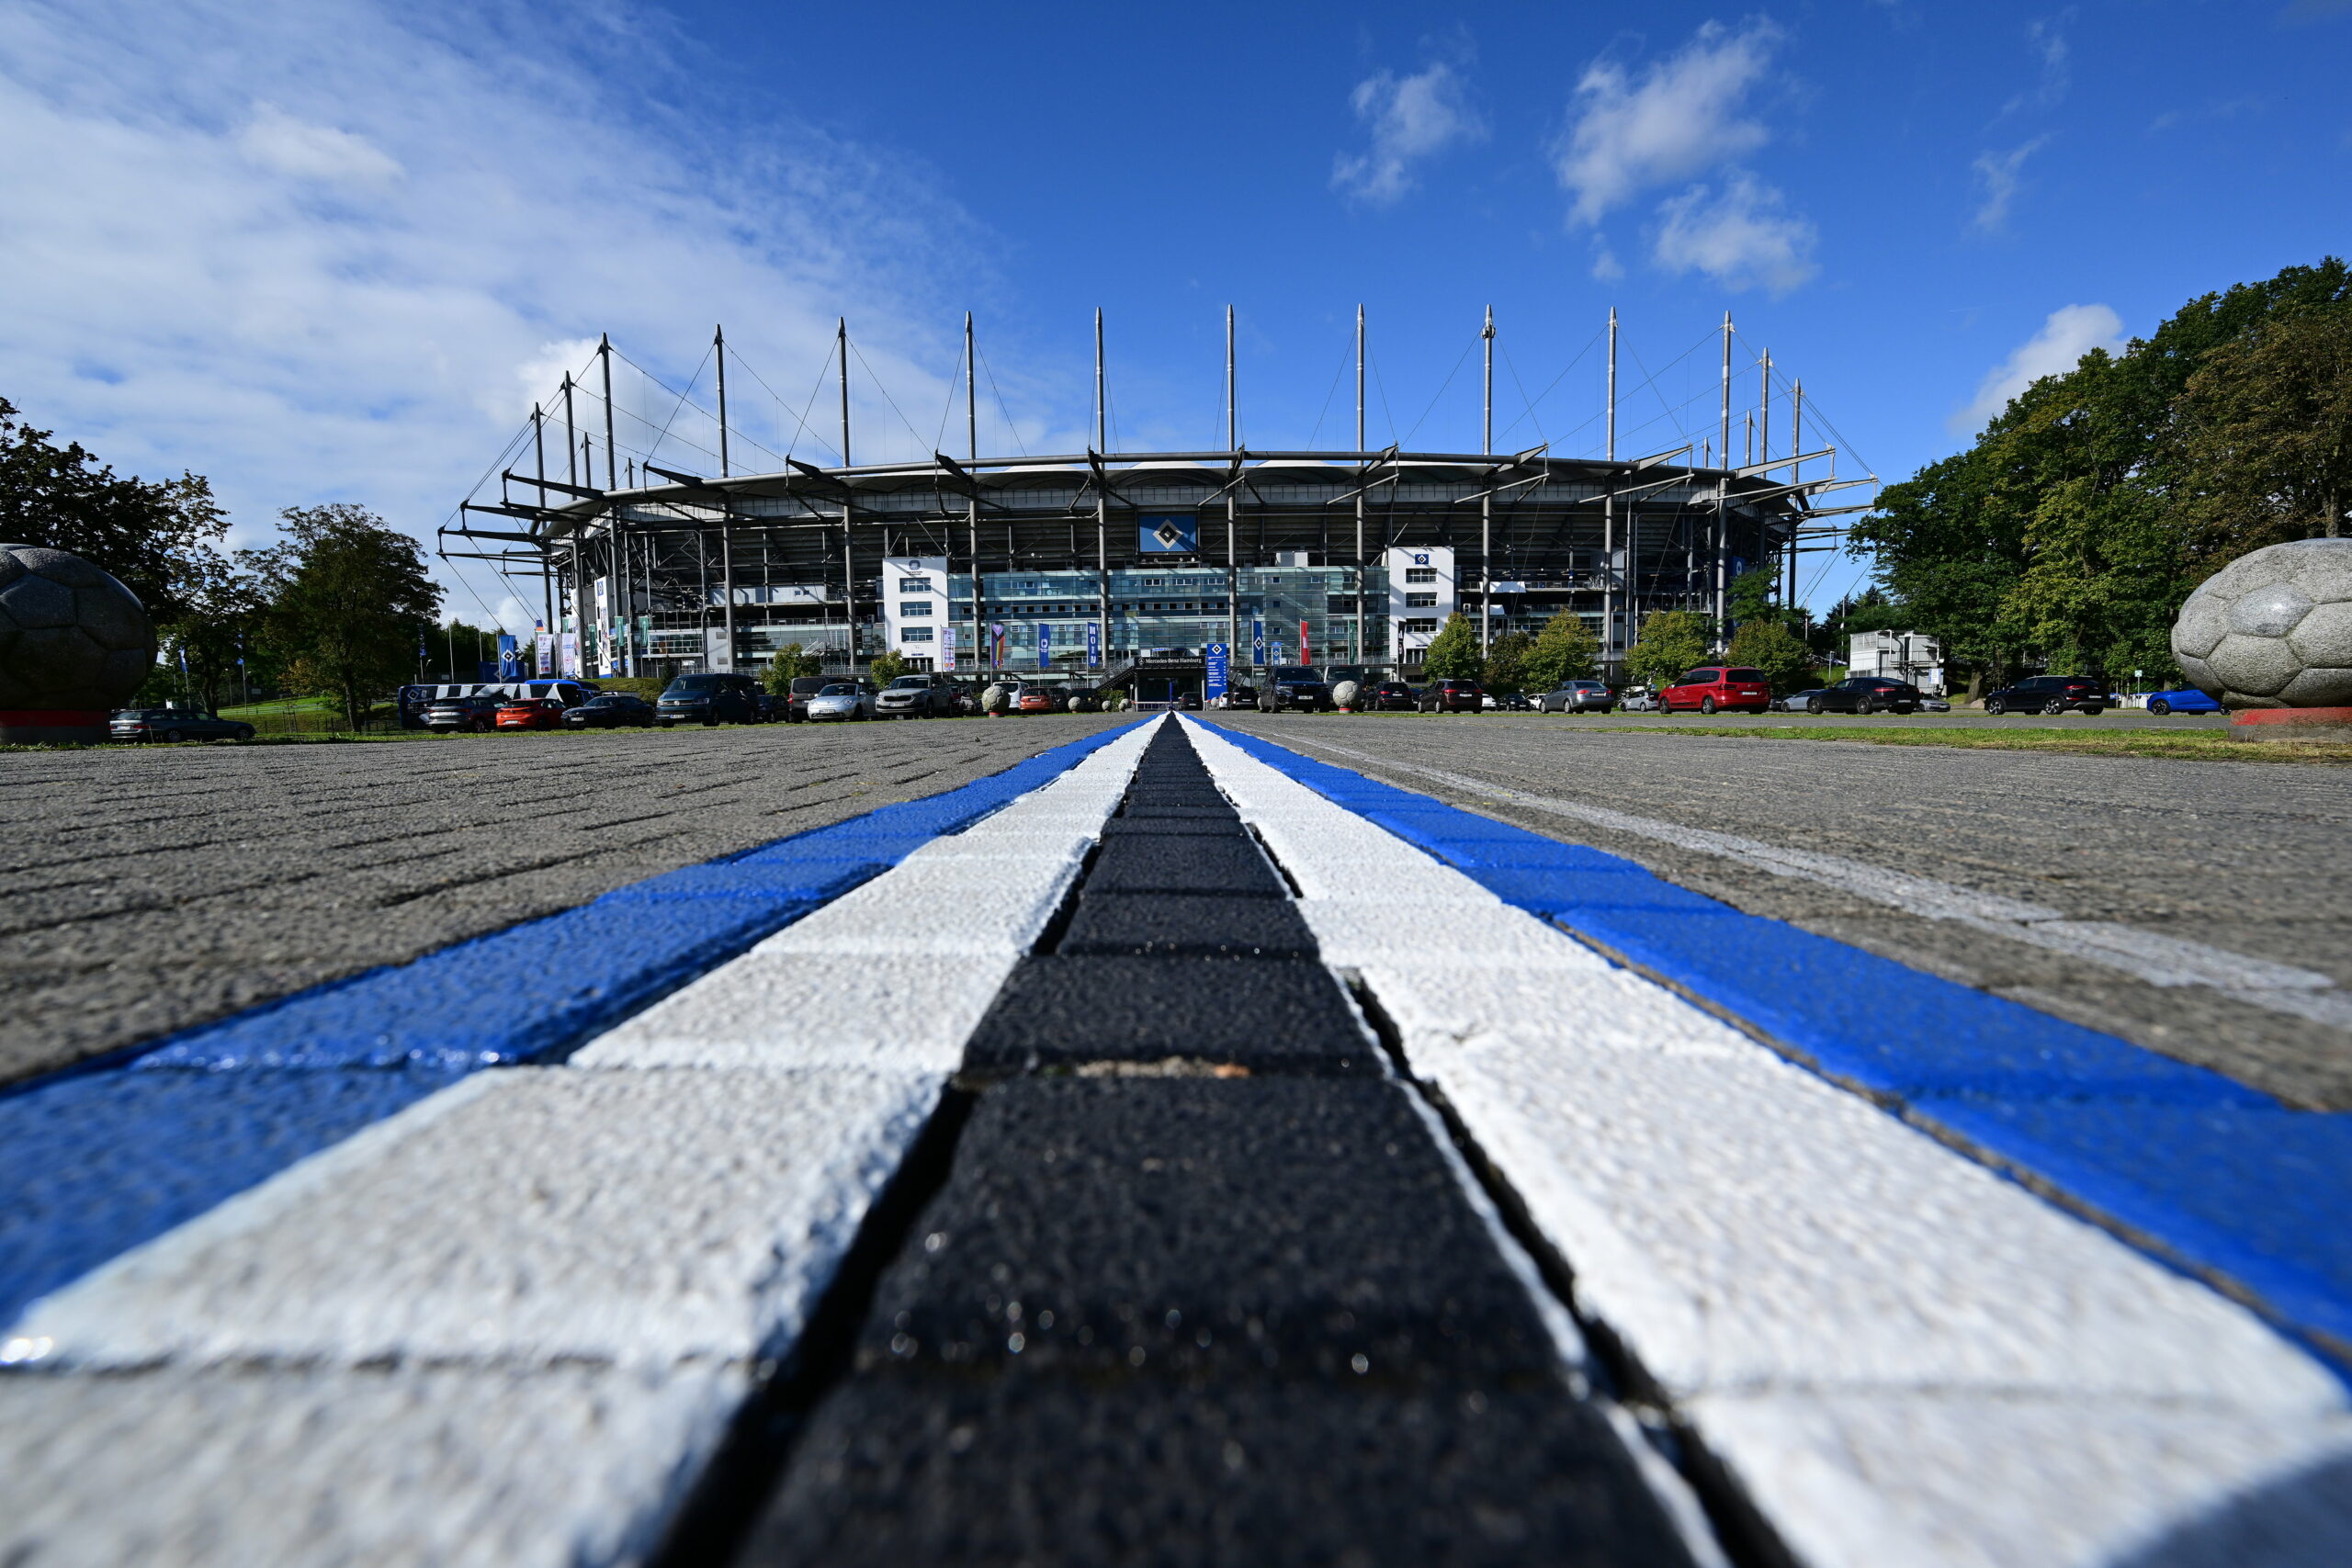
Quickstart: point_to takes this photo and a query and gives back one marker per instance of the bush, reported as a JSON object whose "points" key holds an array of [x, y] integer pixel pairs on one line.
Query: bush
{"points": [[1564, 650], [1671, 641], [1452, 654]]}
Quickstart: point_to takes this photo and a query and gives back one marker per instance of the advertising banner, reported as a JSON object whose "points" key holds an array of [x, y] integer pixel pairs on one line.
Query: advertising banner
{"points": [[1257, 643], [1305, 655], [543, 654], [1045, 646], [1167, 534], [1094, 645], [945, 658], [568, 652], [510, 658], [1214, 657], [996, 645]]}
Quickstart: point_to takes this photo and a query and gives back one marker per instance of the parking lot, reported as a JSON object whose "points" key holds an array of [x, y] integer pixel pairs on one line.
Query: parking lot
{"points": [[2245, 858]]}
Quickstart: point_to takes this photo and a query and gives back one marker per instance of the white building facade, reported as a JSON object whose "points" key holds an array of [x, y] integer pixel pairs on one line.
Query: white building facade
{"points": [[1421, 596], [1912, 657]]}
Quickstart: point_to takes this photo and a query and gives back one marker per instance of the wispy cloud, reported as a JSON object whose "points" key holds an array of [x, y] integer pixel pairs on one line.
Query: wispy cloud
{"points": [[2054, 59], [1997, 177], [2070, 332], [330, 249], [1684, 116], [1410, 119], [1740, 236]]}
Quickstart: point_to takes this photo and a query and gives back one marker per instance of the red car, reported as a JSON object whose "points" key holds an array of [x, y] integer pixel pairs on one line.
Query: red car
{"points": [[1453, 696], [1713, 686], [531, 713]]}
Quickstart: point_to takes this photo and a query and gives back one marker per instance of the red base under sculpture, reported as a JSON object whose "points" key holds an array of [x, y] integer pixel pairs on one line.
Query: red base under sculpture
{"points": [[38, 726], [2291, 724]]}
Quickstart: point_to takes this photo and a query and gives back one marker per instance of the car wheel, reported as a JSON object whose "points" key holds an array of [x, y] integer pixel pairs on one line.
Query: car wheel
{"points": [[2092, 710], [1813, 705], [173, 735], [1864, 706], [2160, 708], [1707, 705], [2053, 706], [1995, 707], [244, 732]]}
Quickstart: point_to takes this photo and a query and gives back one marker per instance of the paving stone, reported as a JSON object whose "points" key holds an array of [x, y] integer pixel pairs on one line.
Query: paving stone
{"points": [[1187, 925], [1293, 1227], [524, 1215], [457, 1467], [1267, 1016], [1047, 1470]]}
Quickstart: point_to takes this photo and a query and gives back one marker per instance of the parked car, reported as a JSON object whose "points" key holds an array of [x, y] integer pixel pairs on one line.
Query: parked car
{"points": [[1084, 699], [1934, 705], [2048, 693], [774, 709], [709, 699], [1451, 695], [1796, 702], [530, 713], [1638, 699], [1578, 696], [1392, 697], [847, 701], [1294, 687], [174, 725], [2182, 699], [479, 714], [803, 687], [1240, 696], [1866, 694], [1713, 688], [1031, 696], [610, 710], [917, 696]]}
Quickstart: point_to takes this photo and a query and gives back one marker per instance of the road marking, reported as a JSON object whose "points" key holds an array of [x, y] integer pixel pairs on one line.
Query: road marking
{"points": [[1860, 1323], [2144, 956]]}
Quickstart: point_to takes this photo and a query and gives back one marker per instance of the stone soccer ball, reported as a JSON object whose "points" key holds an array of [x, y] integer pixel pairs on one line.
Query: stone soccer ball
{"points": [[2273, 629], [71, 636], [1344, 695]]}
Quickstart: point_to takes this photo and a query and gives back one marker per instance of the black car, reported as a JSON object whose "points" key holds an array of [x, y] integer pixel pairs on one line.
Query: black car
{"points": [[1392, 697], [709, 699], [1295, 687], [2049, 693], [1240, 695], [171, 725], [1452, 695], [1865, 694], [610, 710], [479, 714]]}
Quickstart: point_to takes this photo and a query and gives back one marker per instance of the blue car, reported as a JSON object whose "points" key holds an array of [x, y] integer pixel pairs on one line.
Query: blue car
{"points": [[2188, 699]]}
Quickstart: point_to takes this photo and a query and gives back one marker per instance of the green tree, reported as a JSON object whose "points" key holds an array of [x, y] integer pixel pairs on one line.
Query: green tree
{"points": [[145, 532], [1770, 646], [1671, 641], [351, 603], [886, 668], [1508, 663], [1564, 650], [221, 619], [1453, 654], [2267, 421], [788, 664]]}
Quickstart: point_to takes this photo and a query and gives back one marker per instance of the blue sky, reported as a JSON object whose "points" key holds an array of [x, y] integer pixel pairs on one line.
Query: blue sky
{"points": [[331, 250]]}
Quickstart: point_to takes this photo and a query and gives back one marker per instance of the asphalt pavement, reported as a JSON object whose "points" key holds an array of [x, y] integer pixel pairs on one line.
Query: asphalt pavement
{"points": [[154, 889], [2246, 861]]}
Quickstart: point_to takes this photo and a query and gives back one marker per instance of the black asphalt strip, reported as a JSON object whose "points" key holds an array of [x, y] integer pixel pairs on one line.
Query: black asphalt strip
{"points": [[1199, 1286]]}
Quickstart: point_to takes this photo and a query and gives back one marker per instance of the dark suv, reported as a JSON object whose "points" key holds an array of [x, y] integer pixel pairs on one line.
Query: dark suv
{"points": [[2049, 693], [1294, 687], [1452, 696], [175, 725], [917, 696], [709, 699], [447, 716], [796, 701], [1865, 694], [1392, 697]]}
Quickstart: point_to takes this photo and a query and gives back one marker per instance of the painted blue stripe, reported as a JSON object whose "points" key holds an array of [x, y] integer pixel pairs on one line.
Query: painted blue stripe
{"points": [[2214, 1176], [95, 1163]]}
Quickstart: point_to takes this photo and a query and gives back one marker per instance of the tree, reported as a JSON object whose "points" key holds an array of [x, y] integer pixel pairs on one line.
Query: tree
{"points": [[1564, 650], [886, 668], [1508, 663], [145, 533], [1771, 648], [351, 603], [1671, 641], [2267, 419], [220, 621], [788, 664], [1453, 653]]}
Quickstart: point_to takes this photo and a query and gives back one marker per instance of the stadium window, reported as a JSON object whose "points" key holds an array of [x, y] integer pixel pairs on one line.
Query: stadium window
{"points": [[1420, 574], [914, 607], [915, 634], [914, 585], [1428, 625], [1420, 601]]}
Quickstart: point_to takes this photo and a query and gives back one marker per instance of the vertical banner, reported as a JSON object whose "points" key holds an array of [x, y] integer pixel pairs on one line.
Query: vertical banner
{"points": [[510, 658], [1305, 655], [945, 659], [605, 664], [1257, 643], [1045, 646], [568, 651], [1215, 685], [996, 645], [1094, 645], [543, 654]]}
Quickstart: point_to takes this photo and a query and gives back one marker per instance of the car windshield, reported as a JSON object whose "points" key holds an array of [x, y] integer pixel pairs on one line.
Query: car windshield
{"points": [[911, 683], [692, 686], [1697, 678], [1294, 672], [838, 689]]}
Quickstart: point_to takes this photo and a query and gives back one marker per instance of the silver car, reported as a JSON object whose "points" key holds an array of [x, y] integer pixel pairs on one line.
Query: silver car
{"points": [[842, 700], [1578, 696]]}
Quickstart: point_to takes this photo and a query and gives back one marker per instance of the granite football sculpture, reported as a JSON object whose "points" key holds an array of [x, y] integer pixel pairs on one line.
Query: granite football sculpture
{"points": [[2273, 628]]}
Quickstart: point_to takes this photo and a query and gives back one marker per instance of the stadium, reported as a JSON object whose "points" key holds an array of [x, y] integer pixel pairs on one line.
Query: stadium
{"points": [[1097, 563]]}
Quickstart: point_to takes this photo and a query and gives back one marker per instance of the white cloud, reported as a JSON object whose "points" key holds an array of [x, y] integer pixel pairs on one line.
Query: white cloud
{"points": [[2071, 332], [311, 247], [1686, 115], [1997, 177], [1741, 238], [2047, 40], [1410, 119]]}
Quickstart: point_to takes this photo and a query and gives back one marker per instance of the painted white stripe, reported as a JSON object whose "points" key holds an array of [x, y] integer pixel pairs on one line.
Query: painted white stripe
{"points": [[2144, 956], [1860, 1323], [467, 1467]]}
